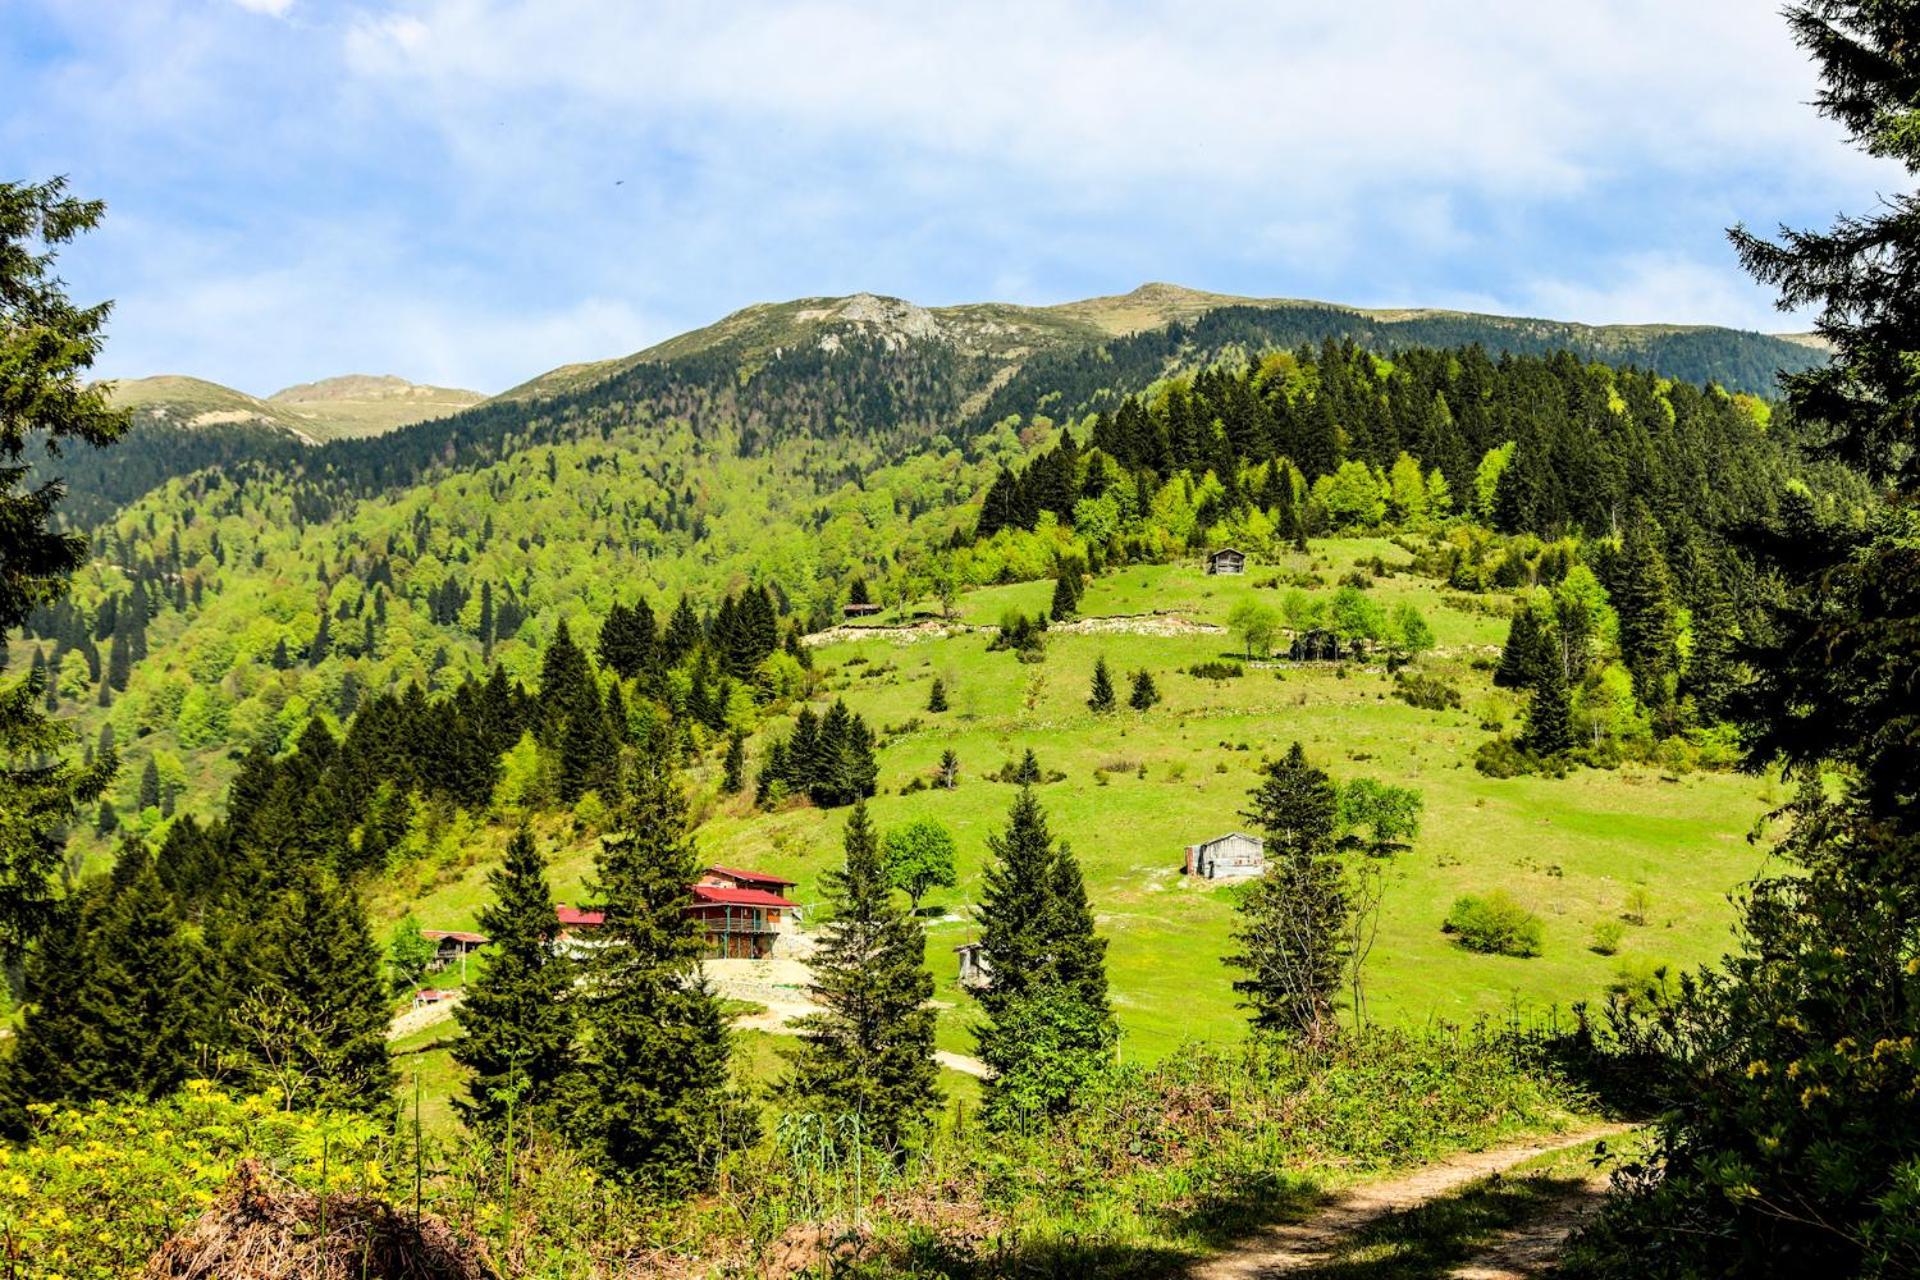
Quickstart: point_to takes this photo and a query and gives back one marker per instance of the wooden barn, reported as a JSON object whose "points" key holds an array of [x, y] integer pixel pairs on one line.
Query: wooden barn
{"points": [[1227, 560], [1227, 857], [860, 610]]}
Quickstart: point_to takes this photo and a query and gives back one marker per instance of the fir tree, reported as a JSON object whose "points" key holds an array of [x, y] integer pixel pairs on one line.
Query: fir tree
{"points": [[518, 1020], [949, 769], [656, 1068], [1049, 1028], [870, 1049], [937, 697], [1292, 930], [1144, 693], [149, 797], [1100, 700], [1027, 774]]}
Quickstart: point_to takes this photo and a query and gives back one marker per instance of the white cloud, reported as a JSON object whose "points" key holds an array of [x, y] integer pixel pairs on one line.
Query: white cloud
{"points": [[1646, 288], [273, 8]]}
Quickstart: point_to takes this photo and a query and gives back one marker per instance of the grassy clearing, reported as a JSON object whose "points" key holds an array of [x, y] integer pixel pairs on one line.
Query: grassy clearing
{"points": [[1140, 787]]}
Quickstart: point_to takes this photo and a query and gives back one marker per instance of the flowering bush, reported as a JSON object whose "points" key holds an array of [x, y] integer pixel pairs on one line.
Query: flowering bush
{"points": [[99, 1187]]}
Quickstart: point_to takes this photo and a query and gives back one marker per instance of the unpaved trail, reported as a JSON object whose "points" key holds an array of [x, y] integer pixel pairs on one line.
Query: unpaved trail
{"points": [[408, 1021], [1302, 1248]]}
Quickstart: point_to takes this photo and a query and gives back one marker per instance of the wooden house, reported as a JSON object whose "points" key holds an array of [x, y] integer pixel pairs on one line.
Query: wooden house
{"points": [[974, 969], [860, 610], [743, 913], [452, 946], [578, 927], [1227, 560], [1227, 857], [425, 996]]}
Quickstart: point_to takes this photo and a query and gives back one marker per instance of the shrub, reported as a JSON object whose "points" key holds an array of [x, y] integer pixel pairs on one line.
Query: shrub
{"points": [[1639, 982], [1428, 693], [1607, 935], [1494, 924], [1217, 670], [1504, 758]]}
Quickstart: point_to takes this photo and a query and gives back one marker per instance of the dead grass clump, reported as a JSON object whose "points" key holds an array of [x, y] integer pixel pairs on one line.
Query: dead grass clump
{"points": [[257, 1230]]}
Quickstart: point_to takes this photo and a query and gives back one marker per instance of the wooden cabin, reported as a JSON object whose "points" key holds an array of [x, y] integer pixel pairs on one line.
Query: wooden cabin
{"points": [[1227, 857], [1227, 560], [452, 946], [860, 610]]}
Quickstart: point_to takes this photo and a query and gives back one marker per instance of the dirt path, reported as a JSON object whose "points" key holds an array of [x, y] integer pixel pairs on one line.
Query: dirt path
{"points": [[778, 1016], [408, 1021], [1303, 1248]]}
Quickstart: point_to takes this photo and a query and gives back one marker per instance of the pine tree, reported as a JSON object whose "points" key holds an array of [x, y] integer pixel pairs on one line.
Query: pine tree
{"points": [[733, 773], [657, 1047], [937, 697], [149, 797], [949, 769], [1292, 926], [566, 683], [870, 1049], [1049, 1028], [1144, 694], [518, 1020], [1100, 700], [1028, 772]]}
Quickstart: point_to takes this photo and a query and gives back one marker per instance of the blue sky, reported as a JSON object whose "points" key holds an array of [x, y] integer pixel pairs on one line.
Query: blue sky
{"points": [[471, 191]]}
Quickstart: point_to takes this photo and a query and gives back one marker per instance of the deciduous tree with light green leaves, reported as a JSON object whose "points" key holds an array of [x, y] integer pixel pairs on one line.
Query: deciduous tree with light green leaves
{"points": [[919, 857]]}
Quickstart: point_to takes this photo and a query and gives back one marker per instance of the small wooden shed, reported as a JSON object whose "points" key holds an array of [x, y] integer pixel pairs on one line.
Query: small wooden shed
{"points": [[1227, 857], [1227, 560], [860, 610], [974, 970], [451, 947]]}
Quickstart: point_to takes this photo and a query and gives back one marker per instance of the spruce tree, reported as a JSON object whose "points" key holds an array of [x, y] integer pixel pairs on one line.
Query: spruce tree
{"points": [[1049, 1029], [518, 1017], [1144, 693], [657, 1111], [1649, 625], [937, 697], [1788, 1137], [1066, 600], [869, 1051], [1524, 651], [1292, 930], [312, 1021], [1549, 711], [1100, 699], [733, 772], [149, 796]]}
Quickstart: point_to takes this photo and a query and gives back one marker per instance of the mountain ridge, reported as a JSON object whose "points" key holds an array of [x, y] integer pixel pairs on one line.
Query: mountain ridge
{"points": [[343, 407]]}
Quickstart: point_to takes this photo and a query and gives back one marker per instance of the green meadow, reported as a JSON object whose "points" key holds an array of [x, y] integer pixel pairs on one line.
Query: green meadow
{"points": [[1138, 787]]}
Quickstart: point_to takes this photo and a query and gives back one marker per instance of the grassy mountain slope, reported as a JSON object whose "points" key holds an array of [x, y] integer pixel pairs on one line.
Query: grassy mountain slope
{"points": [[346, 407]]}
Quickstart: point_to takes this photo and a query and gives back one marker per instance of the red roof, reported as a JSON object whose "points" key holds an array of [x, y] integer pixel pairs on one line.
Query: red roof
{"points": [[579, 915], [760, 877], [455, 935], [713, 893]]}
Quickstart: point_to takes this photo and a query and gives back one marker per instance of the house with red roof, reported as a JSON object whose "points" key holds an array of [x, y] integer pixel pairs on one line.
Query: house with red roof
{"points": [[741, 912]]}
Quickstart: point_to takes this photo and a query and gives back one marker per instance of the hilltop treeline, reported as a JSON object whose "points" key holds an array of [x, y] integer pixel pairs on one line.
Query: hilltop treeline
{"points": [[1078, 381], [1545, 444]]}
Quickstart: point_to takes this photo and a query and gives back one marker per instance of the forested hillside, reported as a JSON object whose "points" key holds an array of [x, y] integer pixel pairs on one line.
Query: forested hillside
{"points": [[872, 367]]}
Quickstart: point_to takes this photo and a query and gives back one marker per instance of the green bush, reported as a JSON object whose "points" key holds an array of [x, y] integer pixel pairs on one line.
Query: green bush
{"points": [[1494, 924], [1607, 935]]}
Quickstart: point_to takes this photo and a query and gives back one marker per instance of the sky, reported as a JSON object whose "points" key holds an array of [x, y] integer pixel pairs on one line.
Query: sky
{"points": [[469, 192]]}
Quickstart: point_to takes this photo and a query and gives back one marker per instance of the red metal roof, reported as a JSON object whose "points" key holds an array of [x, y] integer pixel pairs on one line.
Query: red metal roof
{"points": [[579, 915], [713, 893], [735, 873], [455, 935]]}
